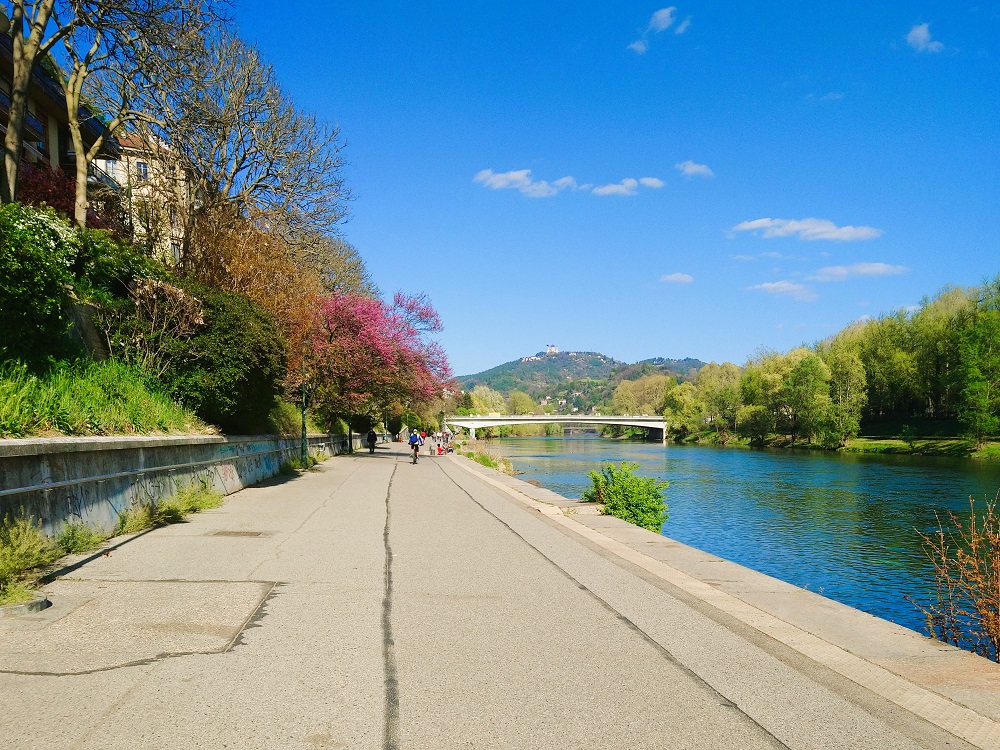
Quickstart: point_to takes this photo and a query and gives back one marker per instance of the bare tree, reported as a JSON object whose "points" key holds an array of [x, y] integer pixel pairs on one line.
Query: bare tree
{"points": [[32, 37], [240, 140], [119, 56]]}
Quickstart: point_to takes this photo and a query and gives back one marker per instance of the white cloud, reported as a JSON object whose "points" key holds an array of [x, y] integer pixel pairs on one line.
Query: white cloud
{"points": [[677, 278], [743, 257], [693, 169], [798, 292], [662, 19], [840, 273], [520, 179], [807, 229], [628, 186], [920, 39]]}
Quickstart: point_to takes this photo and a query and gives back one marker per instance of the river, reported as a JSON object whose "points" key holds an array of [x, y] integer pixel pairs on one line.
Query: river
{"points": [[843, 525]]}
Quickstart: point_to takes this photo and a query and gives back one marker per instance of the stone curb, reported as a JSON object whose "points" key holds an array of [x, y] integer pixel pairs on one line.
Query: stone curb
{"points": [[37, 604]]}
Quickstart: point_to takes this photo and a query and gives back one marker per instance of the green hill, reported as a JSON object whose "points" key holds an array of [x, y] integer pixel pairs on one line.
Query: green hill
{"points": [[545, 374]]}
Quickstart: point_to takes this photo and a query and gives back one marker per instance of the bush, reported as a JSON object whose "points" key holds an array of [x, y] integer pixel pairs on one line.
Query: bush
{"points": [[23, 548], [77, 537], [966, 560], [234, 366], [106, 267], [37, 249], [632, 498]]}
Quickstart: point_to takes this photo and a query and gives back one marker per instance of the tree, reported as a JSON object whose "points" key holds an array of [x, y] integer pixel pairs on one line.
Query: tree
{"points": [[890, 367], [980, 358], [806, 394], [239, 139], [116, 53], [33, 35], [519, 402], [367, 355], [848, 394], [718, 390], [487, 401]]}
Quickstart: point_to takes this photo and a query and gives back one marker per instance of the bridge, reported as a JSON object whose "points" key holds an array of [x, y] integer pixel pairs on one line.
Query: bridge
{"points": [[657, 426]]}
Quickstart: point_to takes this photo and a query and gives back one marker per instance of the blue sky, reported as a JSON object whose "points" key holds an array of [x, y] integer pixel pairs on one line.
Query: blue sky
{"points": [[649, 180]]}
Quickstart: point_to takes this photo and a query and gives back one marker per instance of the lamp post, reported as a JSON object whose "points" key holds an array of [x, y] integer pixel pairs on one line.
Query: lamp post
{"points": [[305, 445]]}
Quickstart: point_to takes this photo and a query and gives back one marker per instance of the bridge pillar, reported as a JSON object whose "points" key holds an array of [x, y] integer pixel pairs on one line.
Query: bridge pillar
{"points": [[472, 433]]}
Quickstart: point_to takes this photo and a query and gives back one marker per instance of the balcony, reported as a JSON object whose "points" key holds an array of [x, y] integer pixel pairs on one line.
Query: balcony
{"points": [[97, 176]]}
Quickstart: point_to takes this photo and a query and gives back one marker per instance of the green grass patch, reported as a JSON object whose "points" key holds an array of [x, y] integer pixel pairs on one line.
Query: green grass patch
{"points": [[491, 460], [295, 466], [87, 398], [173, 510], [959, 447]]}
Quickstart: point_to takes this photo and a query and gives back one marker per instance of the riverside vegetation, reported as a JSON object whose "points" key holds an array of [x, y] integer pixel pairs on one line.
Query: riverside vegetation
{"points": [[625, 495]]}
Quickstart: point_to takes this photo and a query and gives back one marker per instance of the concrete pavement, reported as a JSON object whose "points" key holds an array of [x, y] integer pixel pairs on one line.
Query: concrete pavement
{"points": [[377, 604]]}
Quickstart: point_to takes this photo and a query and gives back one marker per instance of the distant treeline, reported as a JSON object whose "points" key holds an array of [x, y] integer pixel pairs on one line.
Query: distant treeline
{"points": [[938, 361]]}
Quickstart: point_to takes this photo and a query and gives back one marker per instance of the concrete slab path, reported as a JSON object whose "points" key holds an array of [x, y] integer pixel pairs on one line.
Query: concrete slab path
{"points": [[377, 604]]}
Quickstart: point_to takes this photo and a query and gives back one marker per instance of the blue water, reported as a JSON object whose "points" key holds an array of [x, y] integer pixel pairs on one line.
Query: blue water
{"points": [[843, 525]]}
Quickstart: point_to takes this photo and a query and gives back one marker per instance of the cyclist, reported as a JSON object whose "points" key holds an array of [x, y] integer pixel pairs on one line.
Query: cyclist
{"points": [[415, 443]]}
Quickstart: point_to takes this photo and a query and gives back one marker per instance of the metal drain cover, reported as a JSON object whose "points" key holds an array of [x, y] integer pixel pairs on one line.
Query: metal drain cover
{"points": [[240, 533]]}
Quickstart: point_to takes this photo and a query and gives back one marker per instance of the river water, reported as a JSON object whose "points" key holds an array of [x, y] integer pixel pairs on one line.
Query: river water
{"points": [[843, 525]]}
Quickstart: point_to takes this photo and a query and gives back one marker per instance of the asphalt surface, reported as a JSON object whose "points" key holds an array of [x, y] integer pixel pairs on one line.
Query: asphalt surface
{"points": [[372, 603]]}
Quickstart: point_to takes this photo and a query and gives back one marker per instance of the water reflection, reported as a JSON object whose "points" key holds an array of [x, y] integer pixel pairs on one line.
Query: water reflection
{"points": [[840, 524]]}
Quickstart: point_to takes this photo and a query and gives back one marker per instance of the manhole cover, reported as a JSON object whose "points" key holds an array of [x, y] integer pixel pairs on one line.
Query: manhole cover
{"points": [[240, 533]]}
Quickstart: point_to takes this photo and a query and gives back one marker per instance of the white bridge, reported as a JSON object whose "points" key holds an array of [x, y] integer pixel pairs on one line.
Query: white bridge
{"points": [[657, 426]]}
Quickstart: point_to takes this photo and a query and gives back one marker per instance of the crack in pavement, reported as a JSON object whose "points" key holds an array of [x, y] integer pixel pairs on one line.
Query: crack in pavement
{"points": [[390, 732]]}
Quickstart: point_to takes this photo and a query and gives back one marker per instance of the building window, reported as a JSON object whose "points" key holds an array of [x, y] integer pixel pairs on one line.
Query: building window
{"points": [[175, 250], [142, 171]]}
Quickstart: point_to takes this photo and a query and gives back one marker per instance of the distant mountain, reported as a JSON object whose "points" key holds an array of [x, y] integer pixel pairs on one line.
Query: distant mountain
{"points": [[545, 374]]}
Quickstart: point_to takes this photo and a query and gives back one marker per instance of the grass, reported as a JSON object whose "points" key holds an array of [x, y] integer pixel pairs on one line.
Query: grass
{"points": [[188, 500], [87, 398], [294, 465], [491, 460]]}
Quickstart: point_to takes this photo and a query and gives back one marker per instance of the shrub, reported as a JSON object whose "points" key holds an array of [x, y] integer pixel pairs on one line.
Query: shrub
{"points": [[965, 610], [107, 268], [36, 251], [77, 537], [235, 364], [632, 498], [23, 548]]}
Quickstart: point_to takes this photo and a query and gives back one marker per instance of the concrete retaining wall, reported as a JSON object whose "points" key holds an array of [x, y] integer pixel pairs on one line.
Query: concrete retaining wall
{"points": [[57, 480]]}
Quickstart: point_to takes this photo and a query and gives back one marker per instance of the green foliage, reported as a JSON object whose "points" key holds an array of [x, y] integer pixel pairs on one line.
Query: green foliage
{"points": [[106, 267], [86, 398], [234, 364], [37, 249], [625, 495], [142, 516], [188, 500], [980, 363], [77, 537], [23, 549]]}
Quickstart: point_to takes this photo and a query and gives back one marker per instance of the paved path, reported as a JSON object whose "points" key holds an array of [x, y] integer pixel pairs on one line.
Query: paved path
{"points": [[377, 604]]}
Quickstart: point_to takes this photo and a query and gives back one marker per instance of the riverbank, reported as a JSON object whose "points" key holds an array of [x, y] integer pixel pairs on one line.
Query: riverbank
{"points": [[951, 446]]}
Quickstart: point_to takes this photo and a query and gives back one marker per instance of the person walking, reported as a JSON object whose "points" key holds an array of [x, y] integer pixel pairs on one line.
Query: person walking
{"points": [[371, 440]]}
